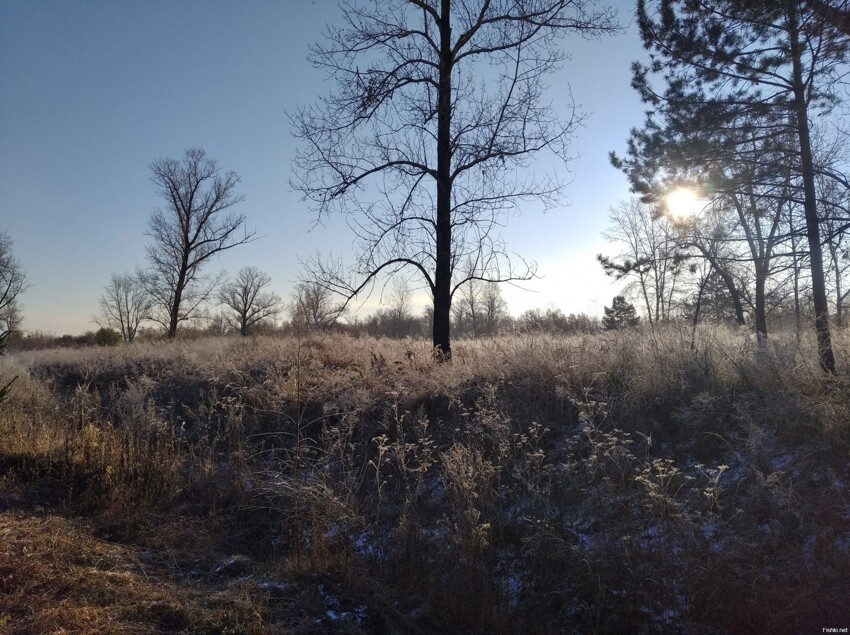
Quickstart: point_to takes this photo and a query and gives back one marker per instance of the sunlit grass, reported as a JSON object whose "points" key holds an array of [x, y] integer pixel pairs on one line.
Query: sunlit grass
{"points": [[534, 483]]}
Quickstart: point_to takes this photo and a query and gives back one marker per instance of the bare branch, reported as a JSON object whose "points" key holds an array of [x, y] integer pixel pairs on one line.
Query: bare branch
{"points": [[437, 108], [250, 305], [196, 225]]}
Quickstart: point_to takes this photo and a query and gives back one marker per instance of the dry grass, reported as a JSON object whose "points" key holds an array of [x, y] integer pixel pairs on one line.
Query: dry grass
{"points": [[56, 577], [613, 483]]}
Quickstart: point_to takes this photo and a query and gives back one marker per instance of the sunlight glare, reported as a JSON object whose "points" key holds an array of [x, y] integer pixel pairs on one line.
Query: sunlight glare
{"points": [[683, 203]]}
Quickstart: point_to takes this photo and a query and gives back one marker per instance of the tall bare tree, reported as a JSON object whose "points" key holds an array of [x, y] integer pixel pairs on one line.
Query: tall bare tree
{"points": [[13, 282], [196, 224], [248, 300], [124, 305], [438, 107]]}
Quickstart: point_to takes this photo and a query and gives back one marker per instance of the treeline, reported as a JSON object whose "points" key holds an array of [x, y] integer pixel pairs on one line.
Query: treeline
{"points": [[380, 324]]}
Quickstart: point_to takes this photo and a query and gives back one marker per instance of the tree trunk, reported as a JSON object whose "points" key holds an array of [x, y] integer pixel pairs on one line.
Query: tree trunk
{"points": [[443, 271], [839, 301], [825, 353], [798, 318], [174, 309], [729, 281], [761, 312], [740, 320], [698, 306], [174, 313]]}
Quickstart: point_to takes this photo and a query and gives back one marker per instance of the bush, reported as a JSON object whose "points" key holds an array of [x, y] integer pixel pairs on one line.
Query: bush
{"points": [[107, 337]]}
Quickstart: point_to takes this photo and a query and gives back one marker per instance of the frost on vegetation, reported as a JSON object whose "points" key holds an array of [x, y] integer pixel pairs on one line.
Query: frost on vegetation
{"points": [[596, 512]]}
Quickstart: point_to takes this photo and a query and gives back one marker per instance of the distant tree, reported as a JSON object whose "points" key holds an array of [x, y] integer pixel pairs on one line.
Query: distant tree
{"points": [[398, 316], [555, 322], [313, 306], [248, 301], [437, 107], [195, 225], [124, 305], [466, 310], [217, 323], [479, 308], [11, 318], [621, 315], [13, 282], [649, 255], [494, 308]]}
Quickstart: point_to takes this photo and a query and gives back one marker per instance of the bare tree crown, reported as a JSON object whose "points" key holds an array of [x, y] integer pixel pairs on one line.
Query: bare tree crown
{"points": [[13, 282], [196, 223], [437, 108], [247, 299]]}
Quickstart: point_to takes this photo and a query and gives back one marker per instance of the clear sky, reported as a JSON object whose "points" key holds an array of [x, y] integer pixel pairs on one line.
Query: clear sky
{"points": [[92, 92]]}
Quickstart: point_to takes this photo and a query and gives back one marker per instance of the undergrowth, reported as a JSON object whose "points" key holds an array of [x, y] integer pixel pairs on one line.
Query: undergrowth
{"points": [[627, 482]]}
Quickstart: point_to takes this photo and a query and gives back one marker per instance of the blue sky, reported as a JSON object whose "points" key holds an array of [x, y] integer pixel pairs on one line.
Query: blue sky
{"points": [[92, 92]]}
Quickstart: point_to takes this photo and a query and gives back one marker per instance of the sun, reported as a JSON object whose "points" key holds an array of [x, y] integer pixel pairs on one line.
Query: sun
{"points": [[683, 203]]}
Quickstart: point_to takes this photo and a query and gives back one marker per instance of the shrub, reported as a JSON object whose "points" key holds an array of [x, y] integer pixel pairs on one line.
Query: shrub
{"points": [[107, 337]]}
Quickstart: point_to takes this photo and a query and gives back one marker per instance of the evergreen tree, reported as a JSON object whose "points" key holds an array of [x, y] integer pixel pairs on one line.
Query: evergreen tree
{"points": [[622, 314], [742, 81]]}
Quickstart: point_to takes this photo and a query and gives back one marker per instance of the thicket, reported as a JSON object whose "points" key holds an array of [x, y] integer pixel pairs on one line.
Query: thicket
{"points": [[631, 481]]}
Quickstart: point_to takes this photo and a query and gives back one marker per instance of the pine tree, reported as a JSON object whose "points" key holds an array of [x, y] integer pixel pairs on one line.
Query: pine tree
{"points": [[622, 314], [739, 80]]}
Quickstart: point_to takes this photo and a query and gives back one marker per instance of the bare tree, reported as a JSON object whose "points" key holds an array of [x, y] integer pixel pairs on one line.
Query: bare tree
{"points": [[124, 305], [398, 315], [494, 308], [11, 318], [313, 306], [13, 282], [466, 308], [438, 108], [195, 225], [479, 308], [650, 255], [4, 385], [247, 299]]}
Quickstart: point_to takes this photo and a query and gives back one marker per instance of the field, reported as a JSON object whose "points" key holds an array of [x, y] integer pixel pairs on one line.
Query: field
{"points": [[636, 481]]}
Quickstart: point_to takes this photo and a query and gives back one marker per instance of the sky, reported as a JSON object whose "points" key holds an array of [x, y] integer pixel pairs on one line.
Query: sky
{"points": [[92, 92]]}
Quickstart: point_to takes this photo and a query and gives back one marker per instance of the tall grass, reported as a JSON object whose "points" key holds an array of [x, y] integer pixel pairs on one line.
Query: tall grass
{"points": [[631, 481]]}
